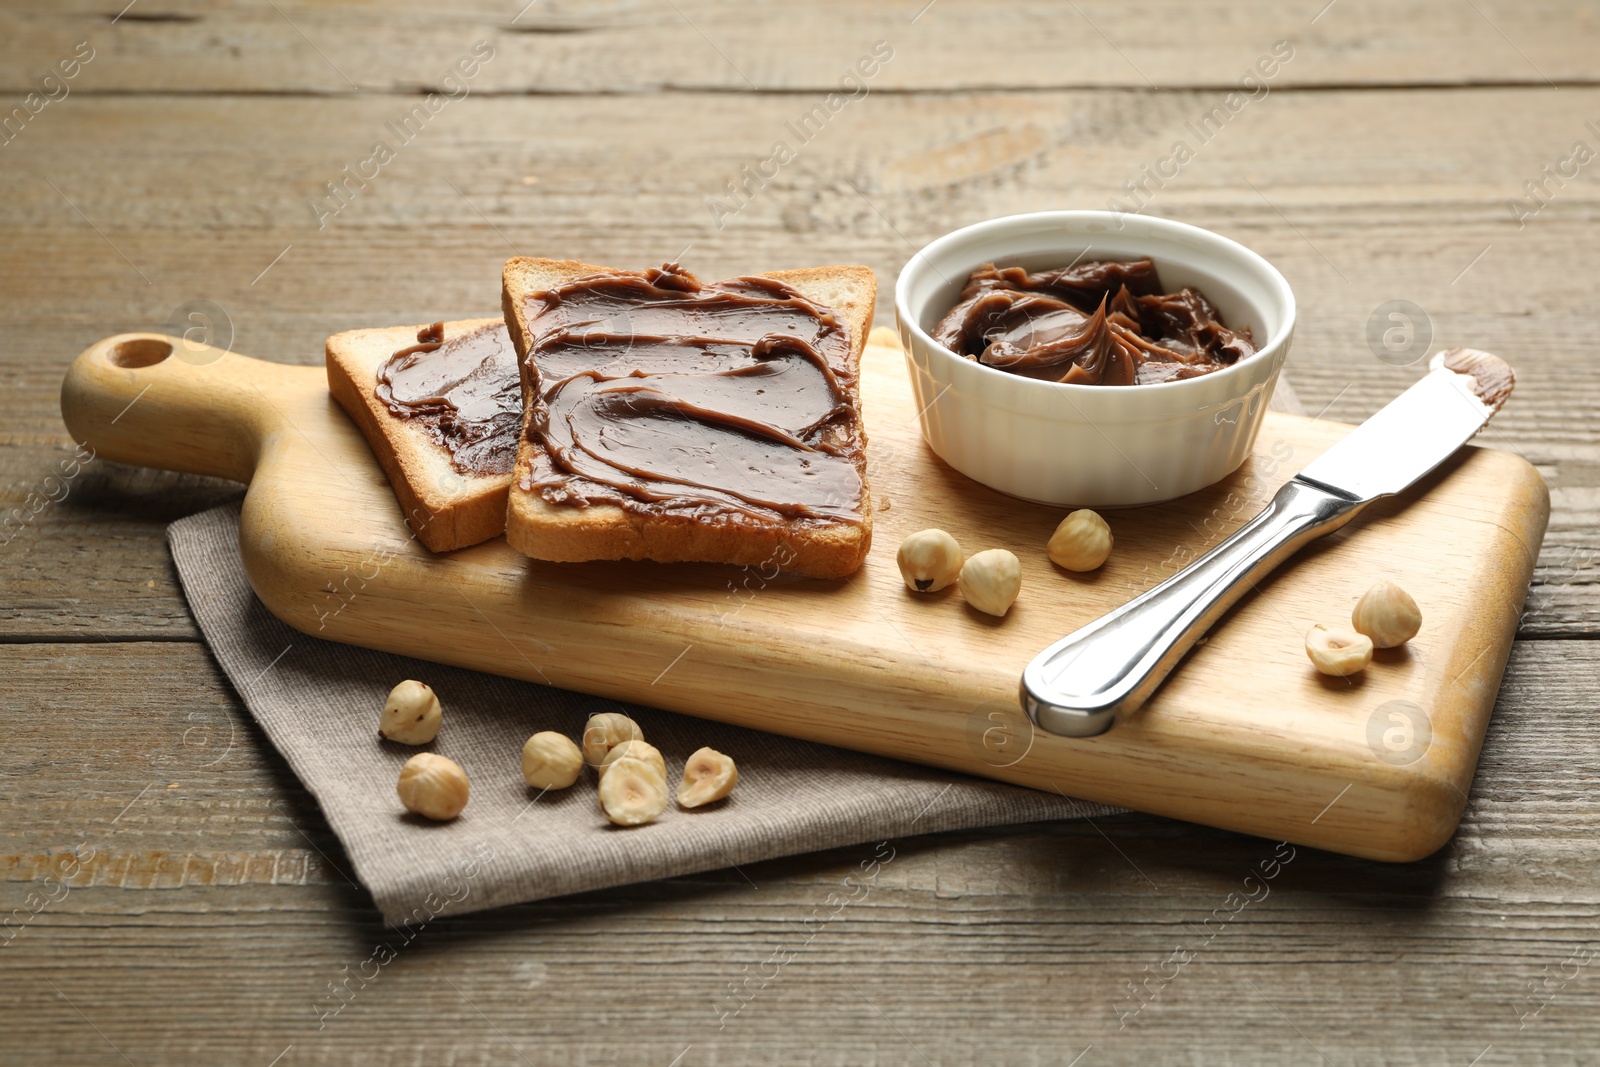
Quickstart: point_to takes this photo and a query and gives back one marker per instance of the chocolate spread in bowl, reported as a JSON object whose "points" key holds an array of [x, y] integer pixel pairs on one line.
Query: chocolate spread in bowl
{"points": [[1097, 323], [724, 401], [465, 390]]}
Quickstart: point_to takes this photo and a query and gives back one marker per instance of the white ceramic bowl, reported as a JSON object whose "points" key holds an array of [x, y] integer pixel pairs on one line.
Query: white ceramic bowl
{"points": [[1092, 445]]}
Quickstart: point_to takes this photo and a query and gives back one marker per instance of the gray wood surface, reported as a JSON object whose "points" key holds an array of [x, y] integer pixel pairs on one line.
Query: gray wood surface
{"points": [[212, 909]]}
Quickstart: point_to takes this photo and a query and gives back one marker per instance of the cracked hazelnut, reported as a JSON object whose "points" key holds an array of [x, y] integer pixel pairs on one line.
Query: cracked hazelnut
{"points": [[433, 786], [1387, 614], [605, 732], [1338, 652], [929, 560], [1081, 543], [551, 761], [991, 581], [707, 776], [632, 793], [411, 715]]}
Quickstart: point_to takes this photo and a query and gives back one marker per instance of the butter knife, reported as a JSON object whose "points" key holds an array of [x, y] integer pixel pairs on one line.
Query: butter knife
{"points": [[1081, 685]]}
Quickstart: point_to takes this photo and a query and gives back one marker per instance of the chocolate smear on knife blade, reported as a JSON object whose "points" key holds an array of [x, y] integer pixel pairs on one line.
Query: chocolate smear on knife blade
{"points": [[1492, 377]]}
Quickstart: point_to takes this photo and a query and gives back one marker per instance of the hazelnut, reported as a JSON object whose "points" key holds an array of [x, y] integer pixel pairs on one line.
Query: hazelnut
{"points": [[1338, 652], [929, 560], [605, 732], [991, 581], [550, 760], [632, 792], [1081, 543], [707, 776], [411, 715], [1387, 614], [433, 786], [635, 749]]}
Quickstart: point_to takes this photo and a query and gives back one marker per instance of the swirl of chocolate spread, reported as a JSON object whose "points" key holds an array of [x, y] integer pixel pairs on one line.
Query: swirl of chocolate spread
{"points": [[465, 390], [1096, 323], [724, 401]]}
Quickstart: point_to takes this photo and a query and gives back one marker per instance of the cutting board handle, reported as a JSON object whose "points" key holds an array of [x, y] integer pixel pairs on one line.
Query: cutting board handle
{"points": [[159, 401]]}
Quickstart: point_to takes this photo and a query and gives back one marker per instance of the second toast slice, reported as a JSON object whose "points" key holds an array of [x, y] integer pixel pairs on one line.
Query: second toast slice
{"points": [[449, 469]]}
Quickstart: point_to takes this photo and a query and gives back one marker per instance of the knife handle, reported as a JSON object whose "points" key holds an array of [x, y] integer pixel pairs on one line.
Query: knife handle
{"points": [[1082, 684]]}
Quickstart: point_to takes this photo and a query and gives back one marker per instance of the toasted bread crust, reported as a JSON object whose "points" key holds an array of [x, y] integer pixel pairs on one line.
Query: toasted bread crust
{"points": [[444, 509], [566, 533]]}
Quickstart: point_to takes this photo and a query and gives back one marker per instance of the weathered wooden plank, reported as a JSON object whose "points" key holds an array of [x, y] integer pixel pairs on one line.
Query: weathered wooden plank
{"points": [[83, 545], [1021, 921], [1355, 215], [636, 47]]}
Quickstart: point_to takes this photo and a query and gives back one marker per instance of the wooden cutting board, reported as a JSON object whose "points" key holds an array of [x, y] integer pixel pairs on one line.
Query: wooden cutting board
{"points": [[1244, 735]]}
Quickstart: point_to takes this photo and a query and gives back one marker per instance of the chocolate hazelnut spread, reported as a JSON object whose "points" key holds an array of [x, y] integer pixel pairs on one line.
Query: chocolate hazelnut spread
{"points": [[726, 401], [1097, 323], [465, 390], [1492, 377]]}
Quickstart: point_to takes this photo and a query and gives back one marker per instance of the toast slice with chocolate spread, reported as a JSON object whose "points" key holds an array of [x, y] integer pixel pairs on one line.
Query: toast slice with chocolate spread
{"points": [[441, 407], [673, 420]]}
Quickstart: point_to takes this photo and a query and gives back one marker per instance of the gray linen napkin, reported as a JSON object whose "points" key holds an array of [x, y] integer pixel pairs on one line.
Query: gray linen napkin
{"points": [[318, 703]]}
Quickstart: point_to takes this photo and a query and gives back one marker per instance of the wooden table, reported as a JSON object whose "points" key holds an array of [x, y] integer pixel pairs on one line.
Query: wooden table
{"points": [[189, 161]]}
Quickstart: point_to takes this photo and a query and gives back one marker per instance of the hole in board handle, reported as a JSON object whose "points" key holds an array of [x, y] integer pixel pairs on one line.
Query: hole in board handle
{"points": [[140, 352]]}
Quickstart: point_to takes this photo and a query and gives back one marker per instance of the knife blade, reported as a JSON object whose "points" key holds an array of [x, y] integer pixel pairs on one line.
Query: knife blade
{"points": [[1084, 683], [1416, 432]]}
